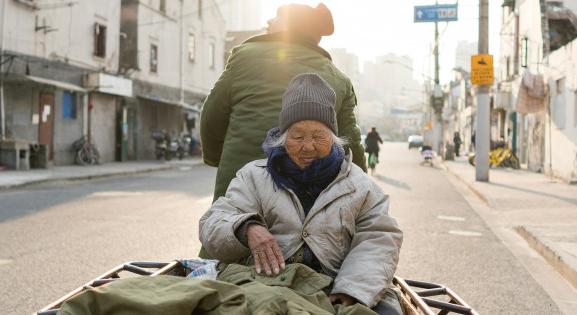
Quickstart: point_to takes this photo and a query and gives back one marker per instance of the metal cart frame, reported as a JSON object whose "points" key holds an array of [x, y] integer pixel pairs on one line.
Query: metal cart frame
{"points": [[417, 297]]}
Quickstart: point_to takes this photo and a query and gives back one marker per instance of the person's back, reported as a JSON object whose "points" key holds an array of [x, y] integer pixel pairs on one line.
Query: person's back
{"points": [[246, 101], [372, 141]]}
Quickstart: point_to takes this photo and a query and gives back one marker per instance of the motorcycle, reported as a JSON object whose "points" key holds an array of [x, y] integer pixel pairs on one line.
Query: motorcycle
{"points": [[427, 154], [183, 146], [165, 146], [500, 156]]}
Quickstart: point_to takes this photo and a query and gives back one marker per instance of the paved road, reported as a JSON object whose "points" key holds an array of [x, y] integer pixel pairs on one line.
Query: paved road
{"points": [[447, 242], [55, 237]]}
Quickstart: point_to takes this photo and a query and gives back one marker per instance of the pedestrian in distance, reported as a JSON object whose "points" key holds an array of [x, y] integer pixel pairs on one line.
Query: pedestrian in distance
{"points": [[245, 102], [457, 143], [372, 143]]}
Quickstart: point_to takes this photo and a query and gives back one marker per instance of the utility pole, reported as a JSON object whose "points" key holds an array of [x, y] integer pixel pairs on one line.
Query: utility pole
{"points": [[2, 42], [181, 54], [436, 52], [437, 13], [482, 137], [437, 99]]}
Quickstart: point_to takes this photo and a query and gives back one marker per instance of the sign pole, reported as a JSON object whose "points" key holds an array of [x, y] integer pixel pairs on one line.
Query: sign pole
{"points": [[437, 98], [437, 13], [482, 137]]}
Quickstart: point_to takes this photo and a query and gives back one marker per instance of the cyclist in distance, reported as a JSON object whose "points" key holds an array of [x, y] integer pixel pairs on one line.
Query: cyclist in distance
{"points": [[372, 143]]}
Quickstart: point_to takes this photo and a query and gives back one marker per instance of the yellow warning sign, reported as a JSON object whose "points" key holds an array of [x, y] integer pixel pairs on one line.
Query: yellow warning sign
{"points": [[482, 69]]}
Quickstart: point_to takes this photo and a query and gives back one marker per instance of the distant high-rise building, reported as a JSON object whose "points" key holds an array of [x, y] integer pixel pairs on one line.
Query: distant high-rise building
{"points": [[242, 15], [347, 62], [463, 54]]}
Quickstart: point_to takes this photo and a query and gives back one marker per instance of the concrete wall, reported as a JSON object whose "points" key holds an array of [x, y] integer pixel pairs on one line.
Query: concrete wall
{"points": [[561, 151], [103, 126], [163, 30], [211, 29], [65, 33], [21, 103], [530, 138]]}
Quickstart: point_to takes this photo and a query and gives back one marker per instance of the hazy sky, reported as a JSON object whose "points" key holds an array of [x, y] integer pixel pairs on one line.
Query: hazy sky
{"points": [[370, 28]]}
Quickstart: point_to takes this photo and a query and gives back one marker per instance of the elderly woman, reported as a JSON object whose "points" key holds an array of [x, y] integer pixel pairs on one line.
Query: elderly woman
{"points": [[308, 203]]}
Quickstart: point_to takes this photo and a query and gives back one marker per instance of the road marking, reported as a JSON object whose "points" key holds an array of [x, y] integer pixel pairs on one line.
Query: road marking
{"points": [[450, 218], [5, 261], [185, 168], [117, 193], [465, 233]]}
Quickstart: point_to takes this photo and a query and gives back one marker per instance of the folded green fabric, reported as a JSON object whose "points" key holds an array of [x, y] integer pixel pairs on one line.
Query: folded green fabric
{"points": [[297, 290], [166, 295]]}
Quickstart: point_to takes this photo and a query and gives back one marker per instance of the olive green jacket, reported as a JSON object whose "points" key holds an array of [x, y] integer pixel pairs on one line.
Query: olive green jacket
{"points": [[245, 102]]}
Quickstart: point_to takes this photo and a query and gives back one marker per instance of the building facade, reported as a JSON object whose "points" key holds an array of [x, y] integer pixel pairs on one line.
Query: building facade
{"points": [[173, 50], [109, 70], [46, 60], [537, 43]]}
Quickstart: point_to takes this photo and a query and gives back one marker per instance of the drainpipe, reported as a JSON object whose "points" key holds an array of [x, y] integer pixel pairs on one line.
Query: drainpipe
{"points": [[2, 103]]}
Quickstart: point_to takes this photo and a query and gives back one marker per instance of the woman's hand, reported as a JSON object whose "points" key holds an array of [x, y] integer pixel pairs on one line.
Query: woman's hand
{"points": [[341, 298], [265, 250]]}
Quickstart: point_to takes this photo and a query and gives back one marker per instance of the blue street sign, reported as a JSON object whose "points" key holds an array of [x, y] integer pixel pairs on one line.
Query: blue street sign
{"points": [[436, 13]]}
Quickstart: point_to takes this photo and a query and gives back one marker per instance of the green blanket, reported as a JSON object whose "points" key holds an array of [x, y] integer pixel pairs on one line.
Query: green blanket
{"points": [[238, 290]]}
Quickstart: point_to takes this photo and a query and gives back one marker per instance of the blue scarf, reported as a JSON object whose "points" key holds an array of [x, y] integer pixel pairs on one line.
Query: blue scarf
{"points": [[307, 183]]}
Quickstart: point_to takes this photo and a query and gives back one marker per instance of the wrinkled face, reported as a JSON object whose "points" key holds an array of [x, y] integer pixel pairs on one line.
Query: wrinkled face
{"points": [[308, 140]]}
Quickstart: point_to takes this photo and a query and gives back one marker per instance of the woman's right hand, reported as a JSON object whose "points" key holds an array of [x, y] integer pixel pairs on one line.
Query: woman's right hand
{"points": [[265, 250]]}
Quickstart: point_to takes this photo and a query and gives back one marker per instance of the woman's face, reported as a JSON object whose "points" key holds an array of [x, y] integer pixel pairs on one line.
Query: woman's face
{"points": [[308, 140]]}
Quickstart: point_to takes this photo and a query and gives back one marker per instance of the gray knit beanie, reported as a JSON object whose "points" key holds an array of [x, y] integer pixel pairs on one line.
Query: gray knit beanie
{"points": [[308, 97]]}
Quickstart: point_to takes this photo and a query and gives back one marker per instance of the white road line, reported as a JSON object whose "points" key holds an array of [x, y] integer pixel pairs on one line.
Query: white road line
{"points": [[117, 194], [465, 233], [450, 218]]}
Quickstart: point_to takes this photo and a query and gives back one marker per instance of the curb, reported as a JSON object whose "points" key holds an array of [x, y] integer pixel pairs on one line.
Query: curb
{"points": [[549, 255], [469, 185], [93, 176]]}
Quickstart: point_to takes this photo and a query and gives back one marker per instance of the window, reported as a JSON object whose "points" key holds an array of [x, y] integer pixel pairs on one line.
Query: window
{"points": [[560, 86], [68, 105], [153, 58], [191, 47], [508, 67], [99, 40], [162, 6], [558, 106], [525, 52], [200, 9], [211, 53]]}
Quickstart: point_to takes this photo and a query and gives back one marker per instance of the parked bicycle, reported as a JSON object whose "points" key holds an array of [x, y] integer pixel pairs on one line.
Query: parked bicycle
{"points": [[85, 152]]}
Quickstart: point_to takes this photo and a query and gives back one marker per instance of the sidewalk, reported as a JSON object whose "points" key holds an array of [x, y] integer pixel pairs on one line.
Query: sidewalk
{"points": [[542, 210], [13, 179]]}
